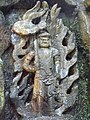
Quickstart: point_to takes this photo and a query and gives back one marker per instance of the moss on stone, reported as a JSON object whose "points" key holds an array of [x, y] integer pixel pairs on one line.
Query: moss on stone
{"points": [[87, 3]]}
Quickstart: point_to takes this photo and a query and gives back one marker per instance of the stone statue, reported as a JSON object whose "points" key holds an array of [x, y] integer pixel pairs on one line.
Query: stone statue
{"points": [[45, 63], [47, 71]]}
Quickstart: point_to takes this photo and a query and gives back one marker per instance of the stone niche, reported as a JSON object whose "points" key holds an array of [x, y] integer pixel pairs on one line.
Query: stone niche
{"points": [[45, 65]]}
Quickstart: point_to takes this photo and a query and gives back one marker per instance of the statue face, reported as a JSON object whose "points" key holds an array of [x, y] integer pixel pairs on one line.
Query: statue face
{"points": [[44, 41]]}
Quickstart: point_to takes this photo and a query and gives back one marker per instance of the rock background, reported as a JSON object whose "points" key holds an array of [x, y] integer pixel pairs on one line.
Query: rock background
{"points": [[12, 11]]}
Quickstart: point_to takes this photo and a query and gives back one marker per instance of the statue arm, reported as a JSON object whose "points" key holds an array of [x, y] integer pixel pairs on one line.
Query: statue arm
{"points": [[26, 64]]}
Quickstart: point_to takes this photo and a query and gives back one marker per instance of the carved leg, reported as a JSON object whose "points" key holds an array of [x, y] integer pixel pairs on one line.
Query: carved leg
{"points": [[51, 98], [37, 99]]}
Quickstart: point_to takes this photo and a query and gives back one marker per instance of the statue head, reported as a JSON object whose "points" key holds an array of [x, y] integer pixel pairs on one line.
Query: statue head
{"points": [[44, 40]]}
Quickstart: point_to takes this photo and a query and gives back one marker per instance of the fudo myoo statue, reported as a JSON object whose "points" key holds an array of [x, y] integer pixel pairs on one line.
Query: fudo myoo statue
{"points": [[45, 63], [47, 71]]}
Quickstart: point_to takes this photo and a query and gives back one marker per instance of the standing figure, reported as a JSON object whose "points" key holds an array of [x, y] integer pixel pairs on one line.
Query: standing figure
{"points": [[47, 72], [45, 62]]}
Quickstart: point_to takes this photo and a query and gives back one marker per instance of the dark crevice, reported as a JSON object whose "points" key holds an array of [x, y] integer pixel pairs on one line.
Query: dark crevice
{"points": [[31, 79], [70, 55], [29, 97], [26, 45], [70, 89], [65, 40], [23, 75], [72, 70], [36, 20], [15, 74], [21, 56], [67, 110], [21, 92]]}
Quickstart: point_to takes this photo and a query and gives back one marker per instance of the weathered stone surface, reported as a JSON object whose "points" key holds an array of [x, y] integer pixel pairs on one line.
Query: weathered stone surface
{"points": [[2, 98], [27, 4], [84, 18], [2, 18], [51, 118], [8, 110], [74, 2], [87, 3], [45, 63], [4, 39], [4, 34], [13, 16], [4, 3]]}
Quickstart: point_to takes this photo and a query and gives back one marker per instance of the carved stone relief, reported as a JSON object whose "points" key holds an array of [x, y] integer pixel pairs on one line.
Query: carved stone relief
{"points": [[45, 63]]}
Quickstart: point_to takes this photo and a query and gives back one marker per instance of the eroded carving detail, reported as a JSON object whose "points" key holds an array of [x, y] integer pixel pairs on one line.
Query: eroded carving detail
{"points": [[45, 63]]}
